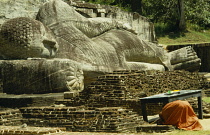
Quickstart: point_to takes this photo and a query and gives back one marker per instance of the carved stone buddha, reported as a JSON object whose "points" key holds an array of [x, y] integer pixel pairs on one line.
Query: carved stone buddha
{"points": [[92, 45], [23, 38]]}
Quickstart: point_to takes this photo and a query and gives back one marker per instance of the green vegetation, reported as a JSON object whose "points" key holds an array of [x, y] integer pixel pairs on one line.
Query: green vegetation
{"points": [[119, 3], [176, 21], [186, 37], [107, 2], [169, 35], [206, 99]]}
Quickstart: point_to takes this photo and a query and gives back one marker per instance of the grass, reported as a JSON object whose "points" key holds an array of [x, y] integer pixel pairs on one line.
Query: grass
{"points": [[187, 37], [206, 99], [182, 132], [170, 36]]}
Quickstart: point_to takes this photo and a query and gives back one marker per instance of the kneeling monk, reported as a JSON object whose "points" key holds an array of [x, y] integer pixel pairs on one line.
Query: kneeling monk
{"points": [[180, 114]]}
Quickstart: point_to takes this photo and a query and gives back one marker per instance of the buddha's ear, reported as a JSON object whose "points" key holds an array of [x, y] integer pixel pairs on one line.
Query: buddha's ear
{"points": [[49, 42]]}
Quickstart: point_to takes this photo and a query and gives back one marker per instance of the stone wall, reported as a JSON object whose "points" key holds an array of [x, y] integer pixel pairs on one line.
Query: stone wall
{"points": [[106, 119], [10, 117], [124, 88], [207, 92]]}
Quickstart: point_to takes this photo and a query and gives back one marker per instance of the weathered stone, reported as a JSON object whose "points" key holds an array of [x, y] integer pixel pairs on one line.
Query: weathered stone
{"points": [[10, 117], [10, 9], [77, 119], [28, 8], [22, 38], [101, 42], [41, 76], [16, 130], [124, 88], [97, 45], [140, 24], [185, 58], [68, 95], [155, 128], [202, 50], [28, 100]]}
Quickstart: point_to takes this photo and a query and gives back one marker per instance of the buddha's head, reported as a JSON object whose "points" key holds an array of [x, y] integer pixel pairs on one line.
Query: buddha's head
{"points": [[22, 38]]}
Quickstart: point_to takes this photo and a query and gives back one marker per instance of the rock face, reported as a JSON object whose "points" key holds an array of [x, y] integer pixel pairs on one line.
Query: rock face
{"points": [[142, 26], [19, 8]]}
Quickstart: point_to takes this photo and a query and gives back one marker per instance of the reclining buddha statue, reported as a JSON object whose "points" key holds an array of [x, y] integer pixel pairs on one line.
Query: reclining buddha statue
{"points": [[60, 38]]}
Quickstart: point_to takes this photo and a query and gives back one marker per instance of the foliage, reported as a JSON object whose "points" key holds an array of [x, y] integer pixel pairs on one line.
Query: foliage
{"points": [[159, 10], [123, 4], [166, 11], [163, 28], [107, 2], [206, 99], [187, 37], [198, 12]]}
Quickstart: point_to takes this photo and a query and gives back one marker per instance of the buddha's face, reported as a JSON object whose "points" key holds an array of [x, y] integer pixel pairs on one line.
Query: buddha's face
{"points": [[22, 38]]}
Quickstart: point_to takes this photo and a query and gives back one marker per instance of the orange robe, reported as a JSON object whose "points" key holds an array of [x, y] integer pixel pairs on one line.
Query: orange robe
{"points": [[180, 114]]}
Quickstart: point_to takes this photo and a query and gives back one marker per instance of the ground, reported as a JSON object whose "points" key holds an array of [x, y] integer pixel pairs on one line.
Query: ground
{"points": [[205, 123]]}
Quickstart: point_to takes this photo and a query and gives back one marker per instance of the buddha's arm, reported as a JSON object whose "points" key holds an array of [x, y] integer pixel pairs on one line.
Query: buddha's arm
{"points": [[96, 26]]}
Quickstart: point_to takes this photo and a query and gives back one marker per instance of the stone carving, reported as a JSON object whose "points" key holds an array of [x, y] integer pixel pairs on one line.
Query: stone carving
{"points": [[75, 80], [185, 58], [41, 76], [94, 45], [28, 8], [142, 25], [103, 42], [22, 37]]}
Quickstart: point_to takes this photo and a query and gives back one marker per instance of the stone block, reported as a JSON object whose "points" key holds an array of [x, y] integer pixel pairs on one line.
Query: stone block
{"points": [[68, 95]]}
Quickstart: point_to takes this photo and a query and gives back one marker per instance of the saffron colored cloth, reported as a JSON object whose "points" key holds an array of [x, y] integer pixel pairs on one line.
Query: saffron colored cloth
{"points": [[180, 114]]}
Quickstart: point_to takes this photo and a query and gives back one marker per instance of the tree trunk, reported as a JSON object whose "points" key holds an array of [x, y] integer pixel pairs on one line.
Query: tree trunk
{"points": [[182, 23]]}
